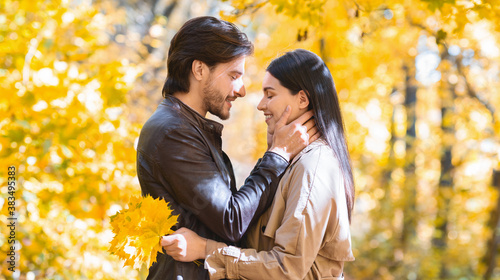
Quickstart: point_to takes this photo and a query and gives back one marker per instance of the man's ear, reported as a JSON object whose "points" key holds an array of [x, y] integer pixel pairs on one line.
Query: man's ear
{"points": [[198, 69], [303, 100]]}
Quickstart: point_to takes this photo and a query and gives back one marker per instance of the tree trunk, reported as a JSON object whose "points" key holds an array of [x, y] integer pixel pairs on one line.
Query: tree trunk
{"points": [[445, 188], [387, 205], [409, 210], [489, 259]]}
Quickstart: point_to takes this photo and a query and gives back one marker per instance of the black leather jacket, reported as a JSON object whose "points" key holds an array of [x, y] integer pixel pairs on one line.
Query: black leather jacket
{"points": [[180, 158]]}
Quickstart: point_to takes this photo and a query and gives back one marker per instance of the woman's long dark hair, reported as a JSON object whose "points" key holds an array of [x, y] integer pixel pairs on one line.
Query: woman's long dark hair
{"points": [[303, 70]]}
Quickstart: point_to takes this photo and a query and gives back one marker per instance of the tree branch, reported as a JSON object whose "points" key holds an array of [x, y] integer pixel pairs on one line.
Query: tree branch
{"points": [[458, 62], [471, 92]]}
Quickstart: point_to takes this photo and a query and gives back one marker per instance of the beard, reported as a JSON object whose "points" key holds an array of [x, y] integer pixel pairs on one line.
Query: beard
{"points": [[214, 102]]}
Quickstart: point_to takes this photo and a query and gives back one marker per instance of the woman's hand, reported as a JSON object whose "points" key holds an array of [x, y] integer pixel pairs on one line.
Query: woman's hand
{"points": [[184, 245]]}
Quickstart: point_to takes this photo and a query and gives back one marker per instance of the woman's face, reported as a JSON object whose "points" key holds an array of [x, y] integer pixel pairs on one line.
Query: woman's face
{"points": [[276, 98]]}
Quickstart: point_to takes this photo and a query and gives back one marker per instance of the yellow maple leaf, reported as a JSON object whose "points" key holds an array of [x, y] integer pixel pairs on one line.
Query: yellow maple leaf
{"points": [[139, 228]]}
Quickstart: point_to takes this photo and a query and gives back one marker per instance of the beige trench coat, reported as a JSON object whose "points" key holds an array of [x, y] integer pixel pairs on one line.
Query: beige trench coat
{"points": [[304, 235]]}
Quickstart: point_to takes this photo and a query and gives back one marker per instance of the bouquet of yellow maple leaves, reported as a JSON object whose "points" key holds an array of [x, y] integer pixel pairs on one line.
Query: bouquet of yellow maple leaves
{"points": [[139, 228]]}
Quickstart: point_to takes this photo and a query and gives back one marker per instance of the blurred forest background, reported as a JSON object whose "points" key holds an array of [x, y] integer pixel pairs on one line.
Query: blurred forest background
{"points": [[419, 87]]}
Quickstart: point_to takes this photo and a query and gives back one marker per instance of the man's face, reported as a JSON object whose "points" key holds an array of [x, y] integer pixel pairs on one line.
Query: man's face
{"points": [[223, 86]]}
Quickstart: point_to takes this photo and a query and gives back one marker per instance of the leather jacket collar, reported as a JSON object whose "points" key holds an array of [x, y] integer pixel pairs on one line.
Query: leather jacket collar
{"points": [[193, 116]]}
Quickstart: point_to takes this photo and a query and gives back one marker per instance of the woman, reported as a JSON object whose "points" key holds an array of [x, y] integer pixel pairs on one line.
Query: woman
{"points": [[305, 234]]}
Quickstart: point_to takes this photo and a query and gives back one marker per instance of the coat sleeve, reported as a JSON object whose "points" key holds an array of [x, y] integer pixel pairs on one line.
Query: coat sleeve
{"points": [[309, 213], [196, 182]]}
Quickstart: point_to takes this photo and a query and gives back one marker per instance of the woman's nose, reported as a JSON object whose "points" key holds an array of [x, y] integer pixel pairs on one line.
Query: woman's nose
{"points": [[262, 105]]}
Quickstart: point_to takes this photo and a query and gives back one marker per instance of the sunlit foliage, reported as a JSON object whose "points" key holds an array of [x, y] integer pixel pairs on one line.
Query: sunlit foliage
{"points": [[65, 128], [139, 228]]}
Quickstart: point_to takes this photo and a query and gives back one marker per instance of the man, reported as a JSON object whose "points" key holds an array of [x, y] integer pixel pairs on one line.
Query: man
{"points": [[179, 155]]}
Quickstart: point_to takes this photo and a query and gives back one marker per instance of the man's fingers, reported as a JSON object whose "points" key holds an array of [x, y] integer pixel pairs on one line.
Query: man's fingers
{"points": [[170, 244], [304, 117], [315, 136], [173, 252], [173, 238], [302, 129], [310, 124], [180, 231], [284, 117], [313, 131], [169, 240]]}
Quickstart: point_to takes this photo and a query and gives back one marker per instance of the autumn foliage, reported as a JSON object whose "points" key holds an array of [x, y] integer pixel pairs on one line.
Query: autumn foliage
{"points": [[139, 229]]}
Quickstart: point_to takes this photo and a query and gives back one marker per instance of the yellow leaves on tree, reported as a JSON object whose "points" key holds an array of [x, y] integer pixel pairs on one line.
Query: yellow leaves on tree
{"points": [[139, 228]]}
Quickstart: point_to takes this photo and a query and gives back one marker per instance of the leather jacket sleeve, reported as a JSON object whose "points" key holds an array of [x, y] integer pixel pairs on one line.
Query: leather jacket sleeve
{"points": [[191, 173]]}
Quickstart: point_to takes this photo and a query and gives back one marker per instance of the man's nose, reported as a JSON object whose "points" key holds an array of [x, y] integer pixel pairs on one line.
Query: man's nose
{"points": [[239, 89]]}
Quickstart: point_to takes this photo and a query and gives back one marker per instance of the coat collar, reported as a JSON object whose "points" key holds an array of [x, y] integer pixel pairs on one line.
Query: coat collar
{"points": [[192, 115], [318, 142]]}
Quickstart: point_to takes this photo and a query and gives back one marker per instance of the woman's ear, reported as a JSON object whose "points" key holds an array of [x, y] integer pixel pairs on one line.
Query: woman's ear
{"points": [[303, 100], [197, 68]]}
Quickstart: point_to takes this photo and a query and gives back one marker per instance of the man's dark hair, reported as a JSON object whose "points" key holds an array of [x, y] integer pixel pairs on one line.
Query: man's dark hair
{"points": [[207, 39]]}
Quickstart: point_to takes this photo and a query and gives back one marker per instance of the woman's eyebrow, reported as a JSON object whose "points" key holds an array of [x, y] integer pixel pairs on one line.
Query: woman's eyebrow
{"points": [[236, 72], [267, 88]]}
